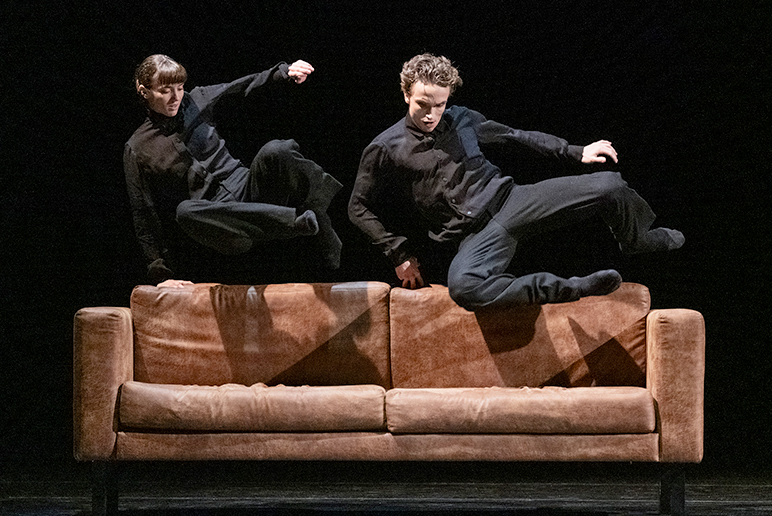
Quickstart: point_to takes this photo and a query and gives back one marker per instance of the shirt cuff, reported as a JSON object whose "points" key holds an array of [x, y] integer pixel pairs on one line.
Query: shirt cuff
{"points": [[157, 272], [282, 72], [400, 255], [576, 151]]}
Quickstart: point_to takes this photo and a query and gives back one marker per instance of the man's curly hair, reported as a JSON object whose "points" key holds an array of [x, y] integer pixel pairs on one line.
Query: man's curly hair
{"points": [[429, 69]]}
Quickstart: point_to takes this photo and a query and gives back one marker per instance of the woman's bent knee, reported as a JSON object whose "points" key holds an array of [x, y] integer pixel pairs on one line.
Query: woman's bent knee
{"points": [[186, 210], [276, 150]]}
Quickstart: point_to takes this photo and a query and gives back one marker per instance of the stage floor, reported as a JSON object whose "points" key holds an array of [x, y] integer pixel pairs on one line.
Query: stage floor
{"points": [[204, 489]]}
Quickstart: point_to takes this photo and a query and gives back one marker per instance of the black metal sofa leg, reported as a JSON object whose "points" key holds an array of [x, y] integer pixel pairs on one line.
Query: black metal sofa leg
{"points": [[104, 489], [672, 491]]}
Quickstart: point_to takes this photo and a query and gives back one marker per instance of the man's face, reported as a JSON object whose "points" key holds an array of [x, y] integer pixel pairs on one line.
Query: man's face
{"points": [[426, 104], [165, 98]]}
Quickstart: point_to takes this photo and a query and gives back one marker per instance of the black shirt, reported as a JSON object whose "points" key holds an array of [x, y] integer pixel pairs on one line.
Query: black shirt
{"points": [[444, 172]]}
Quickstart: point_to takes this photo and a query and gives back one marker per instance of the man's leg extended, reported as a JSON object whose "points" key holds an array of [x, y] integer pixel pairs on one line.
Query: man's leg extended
{"points": [[566, 200], [477, 280], [477, 277]]}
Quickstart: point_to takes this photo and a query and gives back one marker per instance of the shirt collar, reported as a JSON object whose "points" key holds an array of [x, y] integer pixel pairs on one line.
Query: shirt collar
{"points": [[167, 125], [441, 128]]}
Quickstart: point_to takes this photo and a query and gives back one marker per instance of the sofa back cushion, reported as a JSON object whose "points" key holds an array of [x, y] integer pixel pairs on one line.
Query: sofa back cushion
{"points": [[291, 334], [596, 341]]}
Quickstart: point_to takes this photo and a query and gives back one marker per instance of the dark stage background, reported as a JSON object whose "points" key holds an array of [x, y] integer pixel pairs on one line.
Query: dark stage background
{"points": [[679, 87]]}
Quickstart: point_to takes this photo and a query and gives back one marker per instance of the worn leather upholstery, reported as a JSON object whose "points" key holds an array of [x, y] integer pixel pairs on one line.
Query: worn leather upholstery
{"points": [[291, 334], [596, 341], [384, 446], [676, 378], [497, 410], [359, 371], [102, 362], [257, 408]]}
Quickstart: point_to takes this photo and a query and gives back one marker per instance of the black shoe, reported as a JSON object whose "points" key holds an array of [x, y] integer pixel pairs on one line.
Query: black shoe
{"points": [[657, 239], [676, 238], [306, 224], [598, 283]]}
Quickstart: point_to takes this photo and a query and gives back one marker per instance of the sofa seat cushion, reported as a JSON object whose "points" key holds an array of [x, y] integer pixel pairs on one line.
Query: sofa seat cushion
{"points": [[257, 408], [496, 410]]}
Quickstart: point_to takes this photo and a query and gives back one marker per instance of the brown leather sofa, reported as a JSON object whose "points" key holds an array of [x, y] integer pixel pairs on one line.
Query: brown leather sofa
{"points": [[364, 372]]}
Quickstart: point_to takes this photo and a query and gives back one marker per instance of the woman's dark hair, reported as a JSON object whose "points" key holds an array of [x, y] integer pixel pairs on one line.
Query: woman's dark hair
{"points": [[159, 67]]}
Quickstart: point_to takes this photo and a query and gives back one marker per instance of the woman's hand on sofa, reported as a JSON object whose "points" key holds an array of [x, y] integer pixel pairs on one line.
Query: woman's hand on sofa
{"points": [[173, 283]]}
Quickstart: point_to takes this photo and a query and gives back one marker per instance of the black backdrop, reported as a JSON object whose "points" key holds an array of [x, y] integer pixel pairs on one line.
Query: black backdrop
{"points": [[677, 86]]}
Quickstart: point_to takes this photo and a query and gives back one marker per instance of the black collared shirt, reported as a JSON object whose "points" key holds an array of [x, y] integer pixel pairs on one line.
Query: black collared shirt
{"points": [[168, 160], [444, 172]]}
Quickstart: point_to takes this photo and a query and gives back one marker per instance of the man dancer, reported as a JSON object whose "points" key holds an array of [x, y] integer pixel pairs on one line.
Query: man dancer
{"points": [[435, 155]]}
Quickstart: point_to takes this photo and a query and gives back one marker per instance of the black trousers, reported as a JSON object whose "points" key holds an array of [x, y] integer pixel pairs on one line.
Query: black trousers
{"points": [[477, 277], [260, 203]]}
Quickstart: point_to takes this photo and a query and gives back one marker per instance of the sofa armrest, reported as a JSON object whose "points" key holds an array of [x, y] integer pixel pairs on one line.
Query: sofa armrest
{"points": [[675, 375], [102, 361]]}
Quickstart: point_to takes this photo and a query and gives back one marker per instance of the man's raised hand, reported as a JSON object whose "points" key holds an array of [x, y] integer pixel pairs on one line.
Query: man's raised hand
{"points": [[299, 71]]}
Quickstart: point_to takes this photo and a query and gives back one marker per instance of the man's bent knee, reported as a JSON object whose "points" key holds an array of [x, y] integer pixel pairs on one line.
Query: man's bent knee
{"points": [[464, 290], [609, 185]]}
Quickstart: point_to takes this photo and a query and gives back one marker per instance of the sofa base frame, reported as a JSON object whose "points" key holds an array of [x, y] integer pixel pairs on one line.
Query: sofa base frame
{"points": [[105, 489]]}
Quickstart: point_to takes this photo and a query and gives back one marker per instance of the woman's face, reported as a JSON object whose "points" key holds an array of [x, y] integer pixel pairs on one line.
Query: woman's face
{"points": [[164, 99]]}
